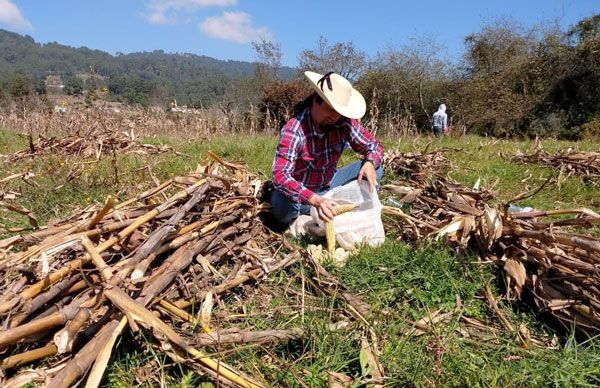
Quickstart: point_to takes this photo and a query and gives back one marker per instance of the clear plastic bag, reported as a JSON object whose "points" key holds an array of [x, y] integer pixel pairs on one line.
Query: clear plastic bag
{"points": [[362, 225]]}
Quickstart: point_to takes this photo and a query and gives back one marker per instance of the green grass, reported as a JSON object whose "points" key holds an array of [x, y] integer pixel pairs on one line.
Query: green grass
{"points": [[475, 158], [402, 284]]}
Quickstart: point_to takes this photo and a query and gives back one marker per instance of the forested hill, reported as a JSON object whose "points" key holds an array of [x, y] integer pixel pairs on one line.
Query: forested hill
{"points": [[190, 78]]}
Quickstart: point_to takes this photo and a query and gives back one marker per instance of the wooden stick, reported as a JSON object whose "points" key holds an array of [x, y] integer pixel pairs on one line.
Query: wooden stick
{"points": [[146, 194], [14, 335], [105, 271], [65, 337], [489, 296], [28, 356], [11, 293], [549, 213], [36, 288], [159, 235], [171, 308], [164, 275], [587, 222], [526, 195], [398, 212], [103, 357], [89, 224], [108, 205], [176, 243], [330, 286], [241, 278], [81, 362], [588, 243], [36, 303]]}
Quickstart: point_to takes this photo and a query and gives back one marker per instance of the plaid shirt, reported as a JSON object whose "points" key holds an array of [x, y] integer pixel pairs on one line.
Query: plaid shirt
{"points": [[306, 160]]}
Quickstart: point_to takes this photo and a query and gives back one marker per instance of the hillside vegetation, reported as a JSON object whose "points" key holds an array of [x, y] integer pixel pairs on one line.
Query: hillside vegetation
{"points": [[159, 76]]}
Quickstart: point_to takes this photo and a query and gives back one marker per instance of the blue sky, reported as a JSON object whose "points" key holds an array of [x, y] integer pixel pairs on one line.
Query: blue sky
{"points": [[224, 28]]}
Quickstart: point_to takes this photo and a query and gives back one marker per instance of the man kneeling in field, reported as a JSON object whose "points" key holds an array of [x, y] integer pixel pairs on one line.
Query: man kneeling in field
{"points": [[310, 146]]}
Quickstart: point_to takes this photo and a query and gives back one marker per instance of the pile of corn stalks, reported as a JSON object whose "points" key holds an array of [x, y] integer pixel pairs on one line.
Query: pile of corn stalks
{"points": [[69, 290], [569, 162], [193, 243], [185, 256], [89, 145], [551, 260], [418, 166]]}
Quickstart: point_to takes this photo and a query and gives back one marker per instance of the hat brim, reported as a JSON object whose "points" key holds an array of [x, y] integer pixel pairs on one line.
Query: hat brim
{"points": [[356, 107]]}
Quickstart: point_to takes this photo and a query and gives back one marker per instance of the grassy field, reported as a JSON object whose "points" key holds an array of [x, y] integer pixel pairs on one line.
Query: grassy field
{"points": [[401, 283]]}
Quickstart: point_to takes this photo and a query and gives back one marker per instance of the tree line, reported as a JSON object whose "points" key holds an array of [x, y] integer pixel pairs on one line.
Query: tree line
{"points": [[138, 78], [512, 80]]}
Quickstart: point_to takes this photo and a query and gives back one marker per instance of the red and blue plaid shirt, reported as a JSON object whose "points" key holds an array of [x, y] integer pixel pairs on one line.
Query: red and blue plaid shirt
{"points": [[306, 160]]}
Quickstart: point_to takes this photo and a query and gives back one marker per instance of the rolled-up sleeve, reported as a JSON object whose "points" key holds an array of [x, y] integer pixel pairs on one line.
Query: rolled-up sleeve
{"points": [[290, 144], [363, 142]]}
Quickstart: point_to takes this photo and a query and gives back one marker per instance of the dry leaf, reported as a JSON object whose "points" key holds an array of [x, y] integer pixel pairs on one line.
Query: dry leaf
{"points": [[21, 210], [516, 270], [338, 380], [450, 229], [369, 363]]}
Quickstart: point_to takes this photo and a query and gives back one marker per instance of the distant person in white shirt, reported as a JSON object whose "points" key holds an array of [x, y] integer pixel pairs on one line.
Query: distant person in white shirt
{"points": [[439, 122]]}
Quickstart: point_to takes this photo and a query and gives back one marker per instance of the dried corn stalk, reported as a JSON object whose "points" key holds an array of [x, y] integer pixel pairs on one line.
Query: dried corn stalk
{"points": [[569, 162], [550, 260], [89, 145], [70, 289]]}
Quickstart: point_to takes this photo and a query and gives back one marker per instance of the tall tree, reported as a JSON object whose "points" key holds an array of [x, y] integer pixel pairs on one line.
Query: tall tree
{"points": [[73, 86], [587, 29], [409, 81], [20, 86], [269, 54], [40, 88], [341, 57]]}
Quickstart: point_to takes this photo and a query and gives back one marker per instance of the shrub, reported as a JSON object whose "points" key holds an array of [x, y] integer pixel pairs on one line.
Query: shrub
{"points": [[279, 98]]}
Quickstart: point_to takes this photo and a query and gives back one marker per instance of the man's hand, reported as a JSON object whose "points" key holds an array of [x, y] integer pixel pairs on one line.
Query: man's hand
{"points": [[368, 171], [325, 207]]}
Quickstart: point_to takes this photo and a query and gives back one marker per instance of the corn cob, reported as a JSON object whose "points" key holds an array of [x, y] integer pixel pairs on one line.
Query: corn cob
{"points": [[329, 231]]}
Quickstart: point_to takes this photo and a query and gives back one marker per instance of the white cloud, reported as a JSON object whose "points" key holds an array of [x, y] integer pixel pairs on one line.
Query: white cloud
{"points": [[11, 16], [167, 11], [234, 27]]}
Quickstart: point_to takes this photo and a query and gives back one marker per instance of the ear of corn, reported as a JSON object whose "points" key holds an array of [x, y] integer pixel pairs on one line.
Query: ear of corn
{"points": [[330, 235], [341, 209], [329, 230]]}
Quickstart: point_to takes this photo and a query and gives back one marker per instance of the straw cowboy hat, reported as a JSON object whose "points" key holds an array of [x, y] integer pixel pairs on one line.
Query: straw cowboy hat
{"points": [[338, 92]]}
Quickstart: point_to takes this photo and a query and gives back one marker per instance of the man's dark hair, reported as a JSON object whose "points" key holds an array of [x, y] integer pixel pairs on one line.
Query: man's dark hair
{"points": [[307, 103]]}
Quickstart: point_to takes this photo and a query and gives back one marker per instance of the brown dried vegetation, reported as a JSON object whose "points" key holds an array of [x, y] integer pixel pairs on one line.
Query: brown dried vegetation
{"points": [[548, 260]]}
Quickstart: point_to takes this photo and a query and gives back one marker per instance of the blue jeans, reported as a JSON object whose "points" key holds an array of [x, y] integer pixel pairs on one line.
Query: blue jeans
{"points": [[286, 210]]}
